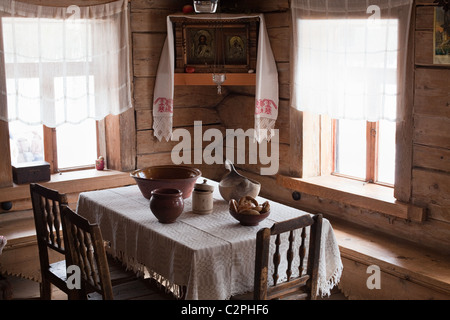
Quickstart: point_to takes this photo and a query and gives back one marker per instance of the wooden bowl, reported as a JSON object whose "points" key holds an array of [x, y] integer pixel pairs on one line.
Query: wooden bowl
{"points": [[249, 219], [168, 176]]}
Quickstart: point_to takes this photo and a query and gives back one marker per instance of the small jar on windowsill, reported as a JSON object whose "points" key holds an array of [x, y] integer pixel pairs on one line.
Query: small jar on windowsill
{"points": [[100, 163]]}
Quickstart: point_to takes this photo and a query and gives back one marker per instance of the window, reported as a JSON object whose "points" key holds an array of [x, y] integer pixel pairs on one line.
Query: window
{"points": [[62, 70], [364, 150], [348, 70], [350, 63], [68, 145], [76, 145]]}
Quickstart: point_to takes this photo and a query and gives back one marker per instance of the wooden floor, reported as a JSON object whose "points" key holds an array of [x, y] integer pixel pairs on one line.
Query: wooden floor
{"points": [[24, 289]]}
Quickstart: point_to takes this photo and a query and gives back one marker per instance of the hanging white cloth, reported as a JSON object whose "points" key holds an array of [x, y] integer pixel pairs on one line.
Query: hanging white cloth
{"points": [[64, 64], [349, 57], [266, 97]]}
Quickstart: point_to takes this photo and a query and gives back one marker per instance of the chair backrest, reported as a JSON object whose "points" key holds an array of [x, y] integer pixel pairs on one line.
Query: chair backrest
{"points": [[47, 205], [304, 284], [86, 250]]}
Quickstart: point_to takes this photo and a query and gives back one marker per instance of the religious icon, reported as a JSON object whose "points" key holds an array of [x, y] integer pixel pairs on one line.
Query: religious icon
{"points": [[441, 47]]}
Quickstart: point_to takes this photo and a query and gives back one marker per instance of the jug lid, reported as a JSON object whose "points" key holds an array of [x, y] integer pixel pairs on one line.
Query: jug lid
{"points": [[203, 186]]}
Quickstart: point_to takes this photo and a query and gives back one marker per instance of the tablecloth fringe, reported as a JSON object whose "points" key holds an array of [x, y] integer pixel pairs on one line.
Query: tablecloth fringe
{"points": [[325, 288], [129, 263], [166, 285], [142, 271]]}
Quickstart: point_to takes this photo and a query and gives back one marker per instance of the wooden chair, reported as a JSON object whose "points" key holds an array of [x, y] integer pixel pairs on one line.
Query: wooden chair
{"points": [[47, 205], [87, 251], [293, 288]]}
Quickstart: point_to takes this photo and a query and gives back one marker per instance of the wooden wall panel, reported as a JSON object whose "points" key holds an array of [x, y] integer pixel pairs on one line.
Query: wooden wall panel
{"points": [[147, 49], [149, 20], [172, 5], [181, 117], [431, 187], [6, 179], [143, 92], [431, 158], [431, 137], [279, 38], [193, 103], [432, 92], [424, 47], [284, 80], [147, 143], [432, 131]]}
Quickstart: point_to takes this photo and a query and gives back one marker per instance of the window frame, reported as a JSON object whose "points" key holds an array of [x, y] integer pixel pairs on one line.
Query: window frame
{"points": [[372, 151], [51, 150]]}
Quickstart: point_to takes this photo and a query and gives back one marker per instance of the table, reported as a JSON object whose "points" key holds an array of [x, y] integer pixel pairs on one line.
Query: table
{"points": [[211, 255]]}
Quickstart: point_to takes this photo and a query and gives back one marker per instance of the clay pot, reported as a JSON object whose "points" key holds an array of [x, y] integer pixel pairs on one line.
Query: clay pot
{"points": [[166, 204], [235, 186]]}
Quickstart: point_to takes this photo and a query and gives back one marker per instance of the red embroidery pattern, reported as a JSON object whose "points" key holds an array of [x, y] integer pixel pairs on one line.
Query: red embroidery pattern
{"points": [[164, 105], [265, 106]]}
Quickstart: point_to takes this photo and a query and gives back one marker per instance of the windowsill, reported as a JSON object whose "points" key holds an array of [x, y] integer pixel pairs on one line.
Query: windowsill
{"points": [[369, 196], [71, 182]]}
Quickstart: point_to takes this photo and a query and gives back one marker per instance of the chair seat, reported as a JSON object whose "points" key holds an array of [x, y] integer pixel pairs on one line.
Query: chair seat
{"points": [[118, 273], [59, 269], [57, 275]]}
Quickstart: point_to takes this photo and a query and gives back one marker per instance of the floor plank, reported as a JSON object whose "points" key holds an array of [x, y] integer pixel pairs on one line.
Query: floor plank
{"points": [[24, 289]]}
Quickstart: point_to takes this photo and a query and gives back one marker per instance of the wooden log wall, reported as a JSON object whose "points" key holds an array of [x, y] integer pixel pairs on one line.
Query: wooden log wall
{"points": [[430, 181], [431, 140], [200, 103]]}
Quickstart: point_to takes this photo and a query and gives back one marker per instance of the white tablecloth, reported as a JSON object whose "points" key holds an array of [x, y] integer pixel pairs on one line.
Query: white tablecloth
{"points": [[211, 255]]}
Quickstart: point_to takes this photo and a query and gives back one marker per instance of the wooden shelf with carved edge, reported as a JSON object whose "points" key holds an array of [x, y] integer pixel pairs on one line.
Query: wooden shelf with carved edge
{"points": [[205, 79]]}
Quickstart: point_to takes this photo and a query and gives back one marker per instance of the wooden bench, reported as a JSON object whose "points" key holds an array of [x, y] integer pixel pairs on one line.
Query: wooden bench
{"points": [[407, 271], [20, 256]]}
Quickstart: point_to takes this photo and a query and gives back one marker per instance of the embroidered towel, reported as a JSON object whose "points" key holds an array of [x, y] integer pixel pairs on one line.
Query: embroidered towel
{"points": [[266, 95]]}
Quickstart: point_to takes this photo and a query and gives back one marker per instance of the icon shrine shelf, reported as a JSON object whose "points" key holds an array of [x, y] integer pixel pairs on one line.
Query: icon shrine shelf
{"points": [[212, 43]]}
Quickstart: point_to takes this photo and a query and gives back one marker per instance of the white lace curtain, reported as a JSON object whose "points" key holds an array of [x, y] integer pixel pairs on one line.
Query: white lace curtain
{"points": [[349, 57], [64, 64]]}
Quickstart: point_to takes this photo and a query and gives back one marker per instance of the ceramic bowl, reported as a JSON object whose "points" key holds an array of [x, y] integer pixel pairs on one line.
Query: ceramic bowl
{"points": [[168, 176], [249, 219]]}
